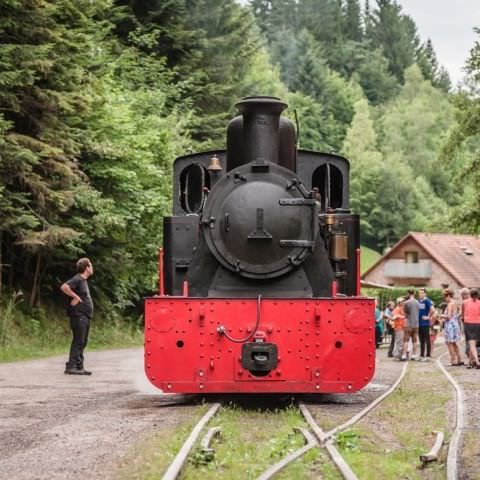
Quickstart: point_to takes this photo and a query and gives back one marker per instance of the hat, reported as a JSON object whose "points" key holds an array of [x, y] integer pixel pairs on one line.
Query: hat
{"points": [[400, 299]]}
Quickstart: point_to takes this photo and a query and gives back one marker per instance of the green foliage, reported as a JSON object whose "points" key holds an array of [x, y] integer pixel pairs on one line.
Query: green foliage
{"points": [[385, 295], [98, 98], [464, 143]]}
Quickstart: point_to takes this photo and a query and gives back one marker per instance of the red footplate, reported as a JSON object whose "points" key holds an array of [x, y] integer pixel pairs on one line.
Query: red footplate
{"points": [[322, 345]]}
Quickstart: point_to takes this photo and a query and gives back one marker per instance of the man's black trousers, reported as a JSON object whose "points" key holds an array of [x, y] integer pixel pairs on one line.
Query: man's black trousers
{"points": [[424, 336], [80, 325]]}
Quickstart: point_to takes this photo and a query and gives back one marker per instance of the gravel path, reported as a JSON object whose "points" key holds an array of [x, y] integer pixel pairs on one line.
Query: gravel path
{"points": [[56, 426]]}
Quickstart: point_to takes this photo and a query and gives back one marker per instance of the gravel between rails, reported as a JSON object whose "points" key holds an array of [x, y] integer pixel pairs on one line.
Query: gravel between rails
{"points": [[55, 426]]}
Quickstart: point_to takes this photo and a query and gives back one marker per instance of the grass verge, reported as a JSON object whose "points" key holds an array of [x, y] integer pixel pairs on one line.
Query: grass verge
{"points": [[36, 333], [251, 441], [387, 444]]}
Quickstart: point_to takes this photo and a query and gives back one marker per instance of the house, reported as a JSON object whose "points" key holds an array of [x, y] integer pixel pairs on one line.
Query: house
{"points": [[434, 260]]}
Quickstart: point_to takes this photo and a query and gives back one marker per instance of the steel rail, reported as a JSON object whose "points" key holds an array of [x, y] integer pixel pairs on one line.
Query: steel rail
{"points": [[176, 466], [452, 460], [327, 439], [274, 469]]}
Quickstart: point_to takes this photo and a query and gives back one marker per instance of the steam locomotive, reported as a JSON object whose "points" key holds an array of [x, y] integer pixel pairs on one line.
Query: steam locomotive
{"points": [[259, 275]]}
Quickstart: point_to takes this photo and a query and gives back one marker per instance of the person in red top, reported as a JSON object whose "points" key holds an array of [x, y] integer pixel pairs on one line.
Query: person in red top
{"points": [[471, 318]]}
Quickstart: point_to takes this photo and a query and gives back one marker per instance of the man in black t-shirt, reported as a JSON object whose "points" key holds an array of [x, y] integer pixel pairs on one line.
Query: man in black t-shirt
{"points": [[80, 311]]}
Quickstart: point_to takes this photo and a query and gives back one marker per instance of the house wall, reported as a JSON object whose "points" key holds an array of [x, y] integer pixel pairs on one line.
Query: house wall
{"points": [[439, 275]]}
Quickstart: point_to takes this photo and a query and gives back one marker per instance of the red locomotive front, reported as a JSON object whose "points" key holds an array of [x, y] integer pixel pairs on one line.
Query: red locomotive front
{"points": [[259, 285]]}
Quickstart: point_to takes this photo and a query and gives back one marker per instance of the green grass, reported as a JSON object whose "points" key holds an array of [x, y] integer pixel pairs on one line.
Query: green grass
{"points": [[251, 441], [35, 333], [367, 258], [387, 444]]}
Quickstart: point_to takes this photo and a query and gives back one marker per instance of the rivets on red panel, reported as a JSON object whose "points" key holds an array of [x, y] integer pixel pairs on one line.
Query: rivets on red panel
{"points": [[240, 372], [289, 330], [201, 385], [365, 378], [349, 386], [229, 350], [149, 366], [307, 368], [317, 356], [202, 355], [269, 330], [278, 372], [249, 329], [278, 330], [317, 387], [149, 328], [289, 350], [202, 344], [200, 373], [279, 359], [317, 374], [149, 353], [370, 367]]}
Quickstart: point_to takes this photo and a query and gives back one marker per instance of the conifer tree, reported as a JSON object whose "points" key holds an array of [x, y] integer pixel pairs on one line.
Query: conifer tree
{"points": [[48, 52]]}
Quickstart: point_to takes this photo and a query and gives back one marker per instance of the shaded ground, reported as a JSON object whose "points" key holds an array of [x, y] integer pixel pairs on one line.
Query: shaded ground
{"points": [[56, 426]]}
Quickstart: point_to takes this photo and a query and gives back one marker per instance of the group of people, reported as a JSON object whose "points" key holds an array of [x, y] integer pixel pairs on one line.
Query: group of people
{"points": [[411, 321]]}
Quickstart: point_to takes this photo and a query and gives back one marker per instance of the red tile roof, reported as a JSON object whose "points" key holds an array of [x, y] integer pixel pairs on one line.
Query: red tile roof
{"points": [[457, 254]]}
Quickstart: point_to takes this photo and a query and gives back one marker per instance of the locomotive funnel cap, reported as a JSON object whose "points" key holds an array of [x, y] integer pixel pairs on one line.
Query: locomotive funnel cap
{"points": [[261, 104]]}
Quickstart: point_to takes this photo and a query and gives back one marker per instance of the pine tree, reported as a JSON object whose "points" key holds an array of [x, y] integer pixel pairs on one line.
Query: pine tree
{"points": [[353, 24], [396, 33], [48, 52]]}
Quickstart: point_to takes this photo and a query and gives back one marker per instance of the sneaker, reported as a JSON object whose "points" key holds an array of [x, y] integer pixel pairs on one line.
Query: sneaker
{"points": [[413, 357], [403, 358], [422, 359]]}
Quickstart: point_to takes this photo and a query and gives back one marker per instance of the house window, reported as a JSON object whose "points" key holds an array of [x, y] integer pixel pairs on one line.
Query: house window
{"points": [[411, 257]]}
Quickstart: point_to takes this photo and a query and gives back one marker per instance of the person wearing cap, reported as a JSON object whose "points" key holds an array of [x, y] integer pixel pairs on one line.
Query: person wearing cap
{"points": [[398, 317], [471, 318]]}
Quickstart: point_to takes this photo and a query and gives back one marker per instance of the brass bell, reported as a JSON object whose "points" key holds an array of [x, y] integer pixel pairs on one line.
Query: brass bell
{"points": [[215, 165]]}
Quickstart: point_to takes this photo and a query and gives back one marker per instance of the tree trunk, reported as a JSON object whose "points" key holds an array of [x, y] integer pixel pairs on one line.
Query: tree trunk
{"points": [[33, 295], [1, 262]]}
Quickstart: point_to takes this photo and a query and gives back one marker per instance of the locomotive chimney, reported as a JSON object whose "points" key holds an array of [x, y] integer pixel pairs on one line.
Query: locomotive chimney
{"points": [[255, 136]]}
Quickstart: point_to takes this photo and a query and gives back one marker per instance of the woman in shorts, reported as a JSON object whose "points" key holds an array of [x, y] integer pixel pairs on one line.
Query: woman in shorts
{"points": [[471, 319], [451, 328]]}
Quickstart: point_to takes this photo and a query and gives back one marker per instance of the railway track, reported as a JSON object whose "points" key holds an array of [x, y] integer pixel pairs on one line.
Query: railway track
{"points": [[344, 411]]}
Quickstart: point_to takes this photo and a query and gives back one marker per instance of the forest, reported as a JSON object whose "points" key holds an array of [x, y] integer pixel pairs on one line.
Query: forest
{"points": [[98, 98]]}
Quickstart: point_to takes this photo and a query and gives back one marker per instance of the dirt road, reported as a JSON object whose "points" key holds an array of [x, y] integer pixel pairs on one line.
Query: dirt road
{"points": [[56, 426]]}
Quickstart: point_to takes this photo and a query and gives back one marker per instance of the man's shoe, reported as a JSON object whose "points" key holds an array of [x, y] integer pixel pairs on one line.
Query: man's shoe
{"points": [[77, 371]]}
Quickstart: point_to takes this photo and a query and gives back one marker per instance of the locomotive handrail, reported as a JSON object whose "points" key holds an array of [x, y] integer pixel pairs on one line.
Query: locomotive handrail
{"points": [[223, 331]]}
